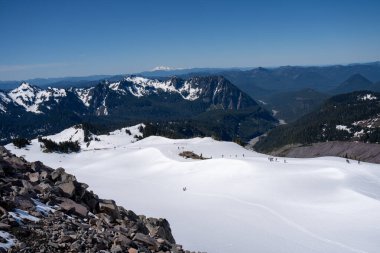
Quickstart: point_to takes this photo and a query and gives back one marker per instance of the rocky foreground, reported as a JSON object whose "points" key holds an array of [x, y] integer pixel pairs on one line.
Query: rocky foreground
{"points": [[47, 210]]}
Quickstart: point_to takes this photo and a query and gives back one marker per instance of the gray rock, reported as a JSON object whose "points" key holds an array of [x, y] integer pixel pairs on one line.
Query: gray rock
{"points": [[146, 239], [67, 188], [109, 207], [70, 205], [34, 177]]}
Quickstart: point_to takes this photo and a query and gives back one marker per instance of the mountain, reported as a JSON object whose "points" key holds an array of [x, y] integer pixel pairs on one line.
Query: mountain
{"points": [[293, 78], [29, 110], [347, 117], [355, 82], [292, 105]]}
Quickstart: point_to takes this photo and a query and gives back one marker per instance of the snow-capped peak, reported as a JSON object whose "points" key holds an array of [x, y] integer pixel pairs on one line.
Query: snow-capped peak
{"points": [[163, 68], [30, 97]]}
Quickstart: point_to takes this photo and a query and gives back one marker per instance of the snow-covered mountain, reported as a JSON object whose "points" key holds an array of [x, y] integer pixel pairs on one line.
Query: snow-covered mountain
{"points": [[216, 90], [32, 98], [235, 201], [131, 99]]}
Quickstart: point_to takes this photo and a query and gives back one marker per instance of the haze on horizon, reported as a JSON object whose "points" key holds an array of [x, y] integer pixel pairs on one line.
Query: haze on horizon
{"points": [[78, 38]]}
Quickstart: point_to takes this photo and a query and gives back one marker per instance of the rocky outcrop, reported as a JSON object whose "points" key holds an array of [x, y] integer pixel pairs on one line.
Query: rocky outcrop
{"points": [[47, 210]]}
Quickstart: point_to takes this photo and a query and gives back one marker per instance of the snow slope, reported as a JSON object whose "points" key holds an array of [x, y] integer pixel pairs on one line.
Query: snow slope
{"points": [[234, 203]]}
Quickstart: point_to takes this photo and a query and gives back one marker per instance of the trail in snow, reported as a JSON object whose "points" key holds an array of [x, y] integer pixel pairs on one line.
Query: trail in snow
{"points": [[232, 204]]}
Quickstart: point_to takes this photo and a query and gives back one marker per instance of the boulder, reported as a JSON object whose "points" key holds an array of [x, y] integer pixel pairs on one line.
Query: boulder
{"points": [[34, 177], [159, 228], [24, 203], [71, 206], [146, 240], [109, 207], [67, 188]]}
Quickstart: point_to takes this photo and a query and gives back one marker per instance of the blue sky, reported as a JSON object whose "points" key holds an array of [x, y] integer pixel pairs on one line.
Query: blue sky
{"points": [[75, 38]]}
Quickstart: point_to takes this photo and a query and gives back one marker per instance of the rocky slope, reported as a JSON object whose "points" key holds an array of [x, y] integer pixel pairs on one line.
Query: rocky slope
{"points": [[367, 152], [47, 210]]}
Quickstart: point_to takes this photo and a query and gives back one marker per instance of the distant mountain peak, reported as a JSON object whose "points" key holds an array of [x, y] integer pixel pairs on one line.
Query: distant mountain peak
{"points": [[164, 68], [355, 82], [357, 78]]}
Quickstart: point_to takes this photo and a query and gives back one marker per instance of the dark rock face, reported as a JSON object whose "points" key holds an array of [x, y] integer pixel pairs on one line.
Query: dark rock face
{"points": [[46, 210]]}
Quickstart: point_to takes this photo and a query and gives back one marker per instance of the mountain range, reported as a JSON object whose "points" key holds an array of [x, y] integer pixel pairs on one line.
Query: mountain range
{"points": [[29, 110]]}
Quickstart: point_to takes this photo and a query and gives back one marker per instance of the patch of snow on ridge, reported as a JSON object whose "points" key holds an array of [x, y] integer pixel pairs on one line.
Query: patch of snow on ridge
{"points": [[367, 97], [3, 101], [144, 86], [343, 128], [84, 95], [188, 92], [107, 141]]}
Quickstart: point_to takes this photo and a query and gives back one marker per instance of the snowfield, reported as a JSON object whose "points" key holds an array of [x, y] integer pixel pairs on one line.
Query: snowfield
{"points": [[238, 201]]}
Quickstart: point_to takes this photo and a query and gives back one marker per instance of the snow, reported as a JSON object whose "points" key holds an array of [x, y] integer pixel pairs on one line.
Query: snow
{"points": [[164, 68], [3, 101], [43, 208], [343, 128], [115, 139], [367, 97], [85, 95], [144, 86], [10, 241], [20, 215], [261, 101], [31, 97], [237, 201]]}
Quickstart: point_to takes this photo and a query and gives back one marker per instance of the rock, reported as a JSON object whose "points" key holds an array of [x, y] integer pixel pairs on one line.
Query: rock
{"points": [[71, 206], [116, 248], [67, 188], [4, 226], [132, 250], [145, 239], [109, 207], [34, 177], [24, 203], [39, 167], [43, 175], [81, 221], [57, 174], [159, 228], [122, 240], [43, 187]]}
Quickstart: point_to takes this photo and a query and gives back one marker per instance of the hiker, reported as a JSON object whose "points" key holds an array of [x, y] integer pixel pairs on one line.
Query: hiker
{"points": [[348, 161]]}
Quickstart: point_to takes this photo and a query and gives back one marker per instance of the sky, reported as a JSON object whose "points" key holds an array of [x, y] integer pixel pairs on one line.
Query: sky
{"points": [[76, 38]]}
